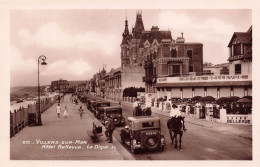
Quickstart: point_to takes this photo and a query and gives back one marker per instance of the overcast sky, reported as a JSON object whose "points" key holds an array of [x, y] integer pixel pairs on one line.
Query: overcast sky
{"points": [[78, 42]]}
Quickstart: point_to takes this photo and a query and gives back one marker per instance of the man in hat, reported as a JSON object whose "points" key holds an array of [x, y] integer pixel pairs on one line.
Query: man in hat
{"points": [[110, 127], [175, 112], [137, 108]]}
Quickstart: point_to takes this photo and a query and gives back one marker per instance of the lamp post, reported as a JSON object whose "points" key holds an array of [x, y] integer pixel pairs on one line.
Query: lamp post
{"points": [[41, 58], [59, 89]]}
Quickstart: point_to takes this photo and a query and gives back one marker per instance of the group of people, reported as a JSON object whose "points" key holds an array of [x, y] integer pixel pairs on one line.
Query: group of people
{"points": [[138, 111], [65, 112]]}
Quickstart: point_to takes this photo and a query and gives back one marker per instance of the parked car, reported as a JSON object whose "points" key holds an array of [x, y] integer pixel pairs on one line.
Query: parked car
{"points": [[143, 132], [91, 104], [99, 108], [116, 113]]}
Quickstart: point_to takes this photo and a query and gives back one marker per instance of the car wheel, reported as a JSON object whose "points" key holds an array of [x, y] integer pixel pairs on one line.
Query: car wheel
{"points": [[132, 147]]}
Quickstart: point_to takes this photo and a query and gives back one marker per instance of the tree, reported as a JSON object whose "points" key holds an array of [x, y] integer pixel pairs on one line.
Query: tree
{"points": [[132, 91]]}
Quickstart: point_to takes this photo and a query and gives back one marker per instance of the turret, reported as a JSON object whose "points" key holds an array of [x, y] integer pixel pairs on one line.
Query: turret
{"points": [[139, 26]]}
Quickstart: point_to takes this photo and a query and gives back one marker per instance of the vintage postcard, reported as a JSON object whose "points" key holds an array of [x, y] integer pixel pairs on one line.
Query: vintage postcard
{"points": [[130, 85]]}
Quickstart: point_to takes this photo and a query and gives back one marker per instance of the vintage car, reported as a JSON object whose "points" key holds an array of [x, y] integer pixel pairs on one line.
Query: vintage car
{"points": [[91, 104], [116, 113], [99, 108], [83, 99], [143, 132]]}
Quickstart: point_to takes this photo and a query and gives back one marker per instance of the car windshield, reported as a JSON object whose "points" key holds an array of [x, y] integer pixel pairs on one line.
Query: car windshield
{"points": [[114, 112]]}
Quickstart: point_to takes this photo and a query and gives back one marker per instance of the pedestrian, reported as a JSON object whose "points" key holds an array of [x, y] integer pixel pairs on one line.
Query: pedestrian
{"points": [[110, 127], [58, 110], [80, 112], [65, 113], [137, 108]]}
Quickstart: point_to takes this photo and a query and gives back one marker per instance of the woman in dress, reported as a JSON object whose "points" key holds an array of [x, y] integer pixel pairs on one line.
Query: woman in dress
{"points": [[80, 112], [65, 113]]}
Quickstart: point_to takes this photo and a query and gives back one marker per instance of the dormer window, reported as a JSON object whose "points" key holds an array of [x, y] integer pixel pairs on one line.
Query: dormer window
{"points": [[146, 44], [237, 49]]}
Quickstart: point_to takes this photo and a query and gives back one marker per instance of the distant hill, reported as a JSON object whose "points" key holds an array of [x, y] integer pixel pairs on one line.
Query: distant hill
{"points": [[24, 92]]}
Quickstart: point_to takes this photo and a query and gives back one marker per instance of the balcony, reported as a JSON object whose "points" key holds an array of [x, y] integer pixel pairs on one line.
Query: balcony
{"points": [[174, 59], [149, 79]]}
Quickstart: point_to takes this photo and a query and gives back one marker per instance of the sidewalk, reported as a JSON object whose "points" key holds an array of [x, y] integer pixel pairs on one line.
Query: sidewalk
{"points": [[64, 139], [244, 131]]}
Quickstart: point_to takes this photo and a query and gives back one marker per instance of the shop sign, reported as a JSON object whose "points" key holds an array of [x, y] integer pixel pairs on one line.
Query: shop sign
{"points": [[238, 119], [209, 78]]}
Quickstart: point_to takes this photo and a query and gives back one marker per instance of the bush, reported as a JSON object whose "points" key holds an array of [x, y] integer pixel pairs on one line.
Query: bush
{"points": [[132, 91]]}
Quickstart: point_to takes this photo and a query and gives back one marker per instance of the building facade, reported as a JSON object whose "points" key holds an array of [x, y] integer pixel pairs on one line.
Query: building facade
{"points": [[100, 82], [60, 85], [240, 53], [165, 57], [132, 70], [237, 83], [113, 89]]}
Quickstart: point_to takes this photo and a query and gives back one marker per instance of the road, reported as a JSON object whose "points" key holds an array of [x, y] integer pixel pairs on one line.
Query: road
{"points": [[198, 143]]}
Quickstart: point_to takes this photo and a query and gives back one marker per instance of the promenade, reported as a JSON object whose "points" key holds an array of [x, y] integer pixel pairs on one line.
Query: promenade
{"points": [[64, 139]]}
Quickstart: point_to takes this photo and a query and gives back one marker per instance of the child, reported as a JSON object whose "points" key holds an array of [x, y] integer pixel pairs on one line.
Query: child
{"points": [[65, 113]]}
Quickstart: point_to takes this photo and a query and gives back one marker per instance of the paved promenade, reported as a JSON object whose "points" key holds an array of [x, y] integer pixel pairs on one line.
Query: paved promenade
{"points": [[64, 139]]}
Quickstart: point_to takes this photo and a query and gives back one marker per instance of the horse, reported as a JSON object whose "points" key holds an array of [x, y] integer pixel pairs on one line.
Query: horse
{"points": [[175, 126]]}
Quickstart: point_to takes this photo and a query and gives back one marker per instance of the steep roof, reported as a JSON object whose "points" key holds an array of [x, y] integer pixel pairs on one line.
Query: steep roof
{"points": [[152, 35], [125, 34], [139, 26], [244, 37]]}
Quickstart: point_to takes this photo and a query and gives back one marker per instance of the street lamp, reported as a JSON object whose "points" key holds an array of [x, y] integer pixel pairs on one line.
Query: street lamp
{"points": [[41, 58], [59, 89]]}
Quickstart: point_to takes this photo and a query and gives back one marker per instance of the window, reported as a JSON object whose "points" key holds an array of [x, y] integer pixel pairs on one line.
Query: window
{"points": [[189, 54], [237, 69], [176, 70], [147, 124], [173, 53], [190, 68], [237, 49]]}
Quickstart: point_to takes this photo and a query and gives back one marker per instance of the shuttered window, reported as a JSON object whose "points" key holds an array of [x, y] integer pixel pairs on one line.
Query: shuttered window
{"points": [[176, 93], [224, 92]]}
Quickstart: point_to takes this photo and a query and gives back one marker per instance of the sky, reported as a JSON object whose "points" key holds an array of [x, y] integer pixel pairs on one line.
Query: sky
{"points": [[79, 42]]}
